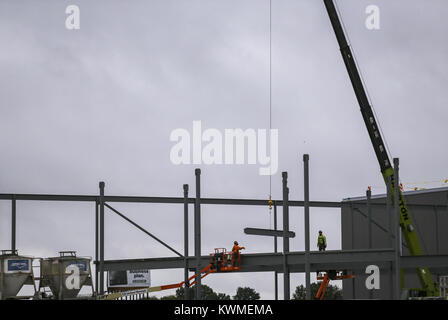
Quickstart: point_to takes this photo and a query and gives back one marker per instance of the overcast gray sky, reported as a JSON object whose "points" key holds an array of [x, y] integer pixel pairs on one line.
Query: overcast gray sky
{"points": [[99, 103]]}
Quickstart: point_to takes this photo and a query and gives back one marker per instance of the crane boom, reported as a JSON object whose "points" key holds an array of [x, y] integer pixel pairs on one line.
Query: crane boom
{"points": [[406, 223]]}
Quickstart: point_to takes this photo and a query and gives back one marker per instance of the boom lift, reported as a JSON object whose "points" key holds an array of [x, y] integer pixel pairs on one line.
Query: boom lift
{"points": [[406, 223], [223, 261], [330, 275], [220, 261]]}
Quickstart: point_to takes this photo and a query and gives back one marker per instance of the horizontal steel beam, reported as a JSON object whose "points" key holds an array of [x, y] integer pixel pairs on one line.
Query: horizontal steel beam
{"points": [[253, 202], [269, 232], [257, 262], [48, 197], [180, 200], [360, 203], [434, 261]]}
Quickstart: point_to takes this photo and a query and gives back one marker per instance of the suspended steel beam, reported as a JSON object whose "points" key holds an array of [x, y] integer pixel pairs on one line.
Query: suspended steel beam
{"points": [[269, 232]]}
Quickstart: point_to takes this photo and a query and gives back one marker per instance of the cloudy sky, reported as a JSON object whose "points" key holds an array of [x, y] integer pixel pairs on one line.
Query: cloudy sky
{"points": [[99, 103]]}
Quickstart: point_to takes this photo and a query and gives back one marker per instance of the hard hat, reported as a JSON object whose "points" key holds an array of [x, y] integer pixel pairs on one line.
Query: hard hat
{"points": [[235, 242]]}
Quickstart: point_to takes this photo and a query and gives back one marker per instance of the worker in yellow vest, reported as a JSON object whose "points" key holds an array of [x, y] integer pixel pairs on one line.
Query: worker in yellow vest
{"points": [[321, 242]]}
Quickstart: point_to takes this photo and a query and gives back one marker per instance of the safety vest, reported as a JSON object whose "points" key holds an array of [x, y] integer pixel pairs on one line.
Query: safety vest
{"points": [[321, 241]]}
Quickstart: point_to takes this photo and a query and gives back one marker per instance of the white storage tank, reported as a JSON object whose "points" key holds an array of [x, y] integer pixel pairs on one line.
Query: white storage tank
{"points": [[15, 271], [65, 275]]}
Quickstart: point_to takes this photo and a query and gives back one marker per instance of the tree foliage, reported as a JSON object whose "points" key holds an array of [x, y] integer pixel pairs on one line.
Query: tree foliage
{"points": [[246, 293], [207, 293], [332, 293]]}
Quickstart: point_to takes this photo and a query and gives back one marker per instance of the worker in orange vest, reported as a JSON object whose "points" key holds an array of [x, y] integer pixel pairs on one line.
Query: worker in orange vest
{"points": [[236, 253]]}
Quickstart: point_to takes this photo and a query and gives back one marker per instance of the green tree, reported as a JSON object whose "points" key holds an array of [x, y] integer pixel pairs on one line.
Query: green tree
{"points": [[207, 293], [223, 296], [332, 292], [246, 293]]}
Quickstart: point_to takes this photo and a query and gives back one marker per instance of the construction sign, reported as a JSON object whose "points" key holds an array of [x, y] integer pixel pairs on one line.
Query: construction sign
{"points": [[129, 279]]}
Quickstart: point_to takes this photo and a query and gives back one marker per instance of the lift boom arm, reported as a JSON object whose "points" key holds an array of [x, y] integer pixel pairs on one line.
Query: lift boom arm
{"points": [[406, 223]]}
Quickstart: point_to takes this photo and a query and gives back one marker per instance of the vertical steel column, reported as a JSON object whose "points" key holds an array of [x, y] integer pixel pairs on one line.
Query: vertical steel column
{"points": [[397, 229], [96, 246], [197, 232], [13, 223], [186, 286], [352, 226], [369, 226], [306, 207], [61, 279], [286, 281], [391, 280], [436, 227], [369, 215], [102, 184], [275, 250], [388, 210], [389, 216]]}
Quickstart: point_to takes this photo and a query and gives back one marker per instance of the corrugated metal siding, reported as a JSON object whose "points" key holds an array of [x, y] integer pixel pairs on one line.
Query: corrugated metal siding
{"points": [[429, 210]]}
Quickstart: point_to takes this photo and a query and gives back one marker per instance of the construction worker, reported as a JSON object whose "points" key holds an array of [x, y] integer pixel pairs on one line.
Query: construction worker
{"points": [[321, 241], [236, 253]]}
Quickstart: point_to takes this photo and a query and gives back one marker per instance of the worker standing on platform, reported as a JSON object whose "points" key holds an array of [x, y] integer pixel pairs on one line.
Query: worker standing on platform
{"points": [[321, 241], [236, 253]]}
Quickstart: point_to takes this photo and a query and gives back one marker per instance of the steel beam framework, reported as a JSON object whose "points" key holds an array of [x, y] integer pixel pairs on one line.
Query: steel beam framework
{"points": [[278, 262], [263, 262], [180, 200]]}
